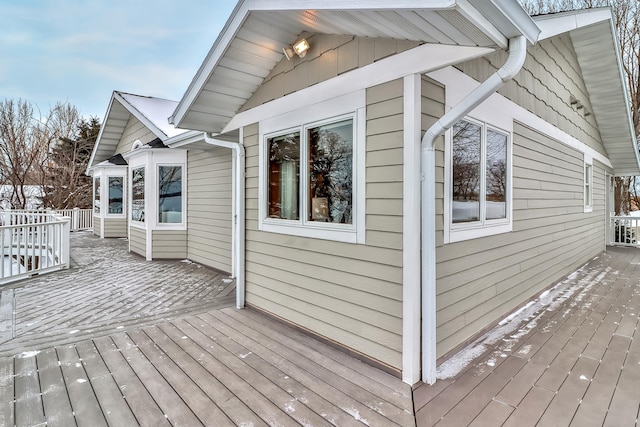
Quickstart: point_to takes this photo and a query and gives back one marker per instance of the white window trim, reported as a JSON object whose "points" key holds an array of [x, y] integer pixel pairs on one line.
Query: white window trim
{"points": [[466, 231], [124, 195], [133, 222], [587, 178], [350, 105], [171, 225], [98, 178]]}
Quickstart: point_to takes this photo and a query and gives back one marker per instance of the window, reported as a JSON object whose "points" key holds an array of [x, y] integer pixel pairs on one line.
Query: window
{"points": [[479, 181], [588, 186], [115, 194], [320, 191], [326, 187], [169, 194], [137, 194], [96, 195]]}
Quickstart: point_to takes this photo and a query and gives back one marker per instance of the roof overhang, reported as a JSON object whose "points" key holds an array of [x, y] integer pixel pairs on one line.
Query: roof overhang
{"points": [[151, 112], [594, 38], [250, 45]]}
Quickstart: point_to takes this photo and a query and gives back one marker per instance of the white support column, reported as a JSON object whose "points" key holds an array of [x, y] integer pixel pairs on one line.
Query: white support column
{"points": [[410, 231]]}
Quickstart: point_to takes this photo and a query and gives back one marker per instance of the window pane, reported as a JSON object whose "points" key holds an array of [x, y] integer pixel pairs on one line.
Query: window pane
{"points": [[137, 195], [331, 173], [496, 196], [115, 195], [170, 194], [284, 176], [466, 172], [96, 195]]}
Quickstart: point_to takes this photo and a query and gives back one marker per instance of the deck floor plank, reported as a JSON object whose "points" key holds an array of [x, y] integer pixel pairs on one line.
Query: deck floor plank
{"points": [[204, 408], [170, 402], [286, 380], [85, 405], [115, 407], [57, 407], [234, 408], [271, 403], [342, 392], [29, 410], [6, 314], [144, 408], [6, 391]]}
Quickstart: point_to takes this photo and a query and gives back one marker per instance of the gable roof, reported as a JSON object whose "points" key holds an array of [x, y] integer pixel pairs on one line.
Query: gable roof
{"points": [[593, 34], [250, 45], [152, 112]]}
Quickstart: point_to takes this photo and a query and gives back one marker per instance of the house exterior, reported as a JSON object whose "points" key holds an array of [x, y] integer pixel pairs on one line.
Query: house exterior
{"points": [[171, 204], [421, 170]]}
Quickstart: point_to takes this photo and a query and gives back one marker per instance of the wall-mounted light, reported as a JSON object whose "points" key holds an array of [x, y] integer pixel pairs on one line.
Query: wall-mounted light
{"points": [[300, 48]]}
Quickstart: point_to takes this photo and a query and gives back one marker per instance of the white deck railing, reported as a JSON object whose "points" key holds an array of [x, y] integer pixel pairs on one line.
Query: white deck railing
{"points": [[624, 231], [32, 243], [81, 219]]}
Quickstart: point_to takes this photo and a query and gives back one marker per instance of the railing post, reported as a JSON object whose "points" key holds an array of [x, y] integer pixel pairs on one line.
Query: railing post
{"points": [[75, 215], [64, 241]]}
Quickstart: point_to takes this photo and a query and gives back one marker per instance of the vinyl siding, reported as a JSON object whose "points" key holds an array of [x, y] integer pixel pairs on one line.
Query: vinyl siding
{"points": [[115, 227], [138, 241], [169, 244], [330, 56], [351, 294], [481, 280], [209, 208], [97, 225], [134, 130], [549, 78]]}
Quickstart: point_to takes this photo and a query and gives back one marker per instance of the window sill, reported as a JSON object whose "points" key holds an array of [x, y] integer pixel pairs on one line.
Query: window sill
{"points": [[471, 232], [588, 209], [320, 232]]}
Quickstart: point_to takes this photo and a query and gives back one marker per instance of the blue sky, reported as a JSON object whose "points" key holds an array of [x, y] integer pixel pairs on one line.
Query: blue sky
{"points": [[79, 51]]}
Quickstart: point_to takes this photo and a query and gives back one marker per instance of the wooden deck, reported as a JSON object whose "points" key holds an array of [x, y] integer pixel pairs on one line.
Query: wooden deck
{"points": [[119, 341], [575, 362]]}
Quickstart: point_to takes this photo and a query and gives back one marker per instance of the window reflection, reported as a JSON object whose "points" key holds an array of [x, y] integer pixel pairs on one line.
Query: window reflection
{"points": [[496, 191], [170, 194], [466, 171], [137, 194], [115, 194], [284, 176]]}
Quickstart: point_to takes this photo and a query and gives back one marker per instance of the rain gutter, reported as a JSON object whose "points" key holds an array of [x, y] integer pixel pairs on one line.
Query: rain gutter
{"points": [[515, 61], [238, 231]]}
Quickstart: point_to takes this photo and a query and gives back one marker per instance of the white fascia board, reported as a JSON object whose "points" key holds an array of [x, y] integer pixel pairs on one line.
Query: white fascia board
{"points": [[228, 33], [138, 115], [183, 139], [95, 147], [348, 4], [509, 17], [554, 24], [421, 59]]}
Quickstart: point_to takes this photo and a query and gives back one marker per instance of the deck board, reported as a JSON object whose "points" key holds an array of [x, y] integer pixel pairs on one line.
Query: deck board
{"points": [[6, 391], [28, 401], [57, 407]]}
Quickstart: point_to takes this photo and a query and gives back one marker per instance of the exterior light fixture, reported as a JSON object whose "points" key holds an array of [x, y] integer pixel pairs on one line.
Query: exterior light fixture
{"points": [[300, 48]]}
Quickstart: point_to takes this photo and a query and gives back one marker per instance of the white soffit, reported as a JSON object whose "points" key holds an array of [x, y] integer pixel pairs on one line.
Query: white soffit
{"points": [[251, 43], [594, 39]]}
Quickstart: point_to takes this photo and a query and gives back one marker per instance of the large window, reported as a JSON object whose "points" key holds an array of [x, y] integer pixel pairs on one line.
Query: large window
{"points": [[137, 194], [320, 191], [115, 194], [169, 194], [479, 177], [96, 194]]}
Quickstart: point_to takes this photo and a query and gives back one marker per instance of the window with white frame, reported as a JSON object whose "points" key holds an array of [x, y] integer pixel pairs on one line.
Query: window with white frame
{"points": [[137, 194], [116, 199], [322, 190], [479, 199], [169, 194], [96, 195], [588, 185]]}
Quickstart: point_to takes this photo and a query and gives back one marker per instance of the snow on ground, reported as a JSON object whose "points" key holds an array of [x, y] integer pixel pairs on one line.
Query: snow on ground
{"points": [[508, 332]]}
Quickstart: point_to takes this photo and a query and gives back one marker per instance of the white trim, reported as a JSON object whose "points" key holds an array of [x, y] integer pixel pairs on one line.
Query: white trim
{"points": [[560, 23], [351, 106], [410, 226], [459, 84], [417, 60]]}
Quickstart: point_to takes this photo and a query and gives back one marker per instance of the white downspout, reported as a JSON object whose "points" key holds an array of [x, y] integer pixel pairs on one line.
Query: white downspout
{"points": [[515, 61], [238, 214]]}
